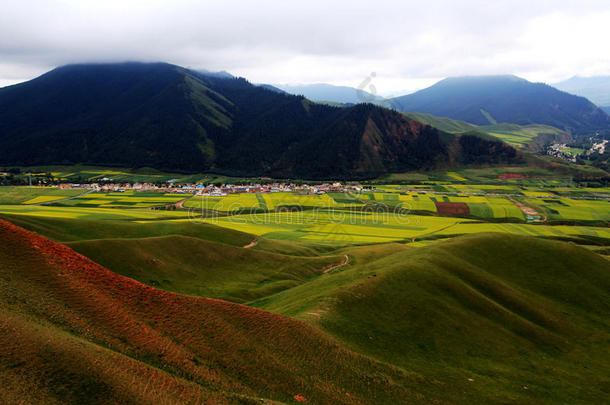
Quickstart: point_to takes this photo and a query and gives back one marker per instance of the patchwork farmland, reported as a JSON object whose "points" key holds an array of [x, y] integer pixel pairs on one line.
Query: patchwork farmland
{"points": [[126, 199]]}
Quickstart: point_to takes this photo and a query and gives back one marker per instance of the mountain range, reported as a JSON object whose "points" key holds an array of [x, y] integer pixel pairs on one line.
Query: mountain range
{"points": [[330, 93], [596, 89], [485, 100], [512, 100], [169, 117]]}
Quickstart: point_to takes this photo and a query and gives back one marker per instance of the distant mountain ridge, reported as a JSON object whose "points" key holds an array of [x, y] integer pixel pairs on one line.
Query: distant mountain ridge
{"points": [[596, 88], [485, 100], [220, 74], [169, 117], [332, 93], [272, 88]]}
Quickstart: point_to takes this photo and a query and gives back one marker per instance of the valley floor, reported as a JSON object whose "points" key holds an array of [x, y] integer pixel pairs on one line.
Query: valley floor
{"points": [[449, 292]]}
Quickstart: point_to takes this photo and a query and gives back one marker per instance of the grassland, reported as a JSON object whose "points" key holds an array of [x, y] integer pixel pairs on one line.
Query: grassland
{"points": [[389, 213], [88, 174], [230, 203], [373, 298], [498, 318], [90, 213], [272, 201], [522, 135], [87, 335], [545, 171], [516, 135], [33, 195], [570, 209], [359, 228], [190, 265], [126, 199]]}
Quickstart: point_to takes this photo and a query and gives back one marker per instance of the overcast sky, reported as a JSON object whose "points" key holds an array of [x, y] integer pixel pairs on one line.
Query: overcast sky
{"points": [[408, 44]]}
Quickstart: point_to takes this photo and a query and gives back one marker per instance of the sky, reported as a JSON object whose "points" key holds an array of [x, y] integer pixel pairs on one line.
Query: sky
{"points": [[389, 47]]}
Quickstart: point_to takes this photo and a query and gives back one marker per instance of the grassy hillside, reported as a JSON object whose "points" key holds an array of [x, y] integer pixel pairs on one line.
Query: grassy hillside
{"points": [[85, 174], [189, 258], [68, 229], [444, 124], [490, 318], [532, 136], [73, 332], [34, 195], [72, 230], [197, 267]]}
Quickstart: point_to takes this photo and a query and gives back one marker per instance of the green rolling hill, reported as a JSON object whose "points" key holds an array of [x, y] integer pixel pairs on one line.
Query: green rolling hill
{"points": [[74, 332], [488, 317], [193, 266], [525, 319]]}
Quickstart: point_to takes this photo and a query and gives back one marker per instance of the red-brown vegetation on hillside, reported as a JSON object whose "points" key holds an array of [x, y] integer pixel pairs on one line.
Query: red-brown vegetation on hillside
{"points": [[70, 327]]}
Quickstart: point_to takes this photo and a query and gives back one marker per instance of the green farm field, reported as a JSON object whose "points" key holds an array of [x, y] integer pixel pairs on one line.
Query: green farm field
{"points": [[90, 174], [90, 213], [34, 195], [358, 228], [388, 213], [272, 201], [570, 209], [126, 199]]}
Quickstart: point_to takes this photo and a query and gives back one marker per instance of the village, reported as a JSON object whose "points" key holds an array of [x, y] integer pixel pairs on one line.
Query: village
{"points": [[215, 190], [563, 151]]}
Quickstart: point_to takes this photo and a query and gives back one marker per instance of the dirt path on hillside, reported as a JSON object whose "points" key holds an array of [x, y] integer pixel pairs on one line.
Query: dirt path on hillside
{"points": [[180, 204], [251, 244], [330, 267], [527, 210]]}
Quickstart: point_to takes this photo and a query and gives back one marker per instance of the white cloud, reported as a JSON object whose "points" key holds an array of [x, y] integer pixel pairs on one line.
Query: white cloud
{"points": [[409, 44]]}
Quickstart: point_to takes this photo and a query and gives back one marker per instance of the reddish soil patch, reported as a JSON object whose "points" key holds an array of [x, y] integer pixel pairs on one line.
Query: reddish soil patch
{"points": [[452, 208], [251, 244], [330, 267], [529, 211], [512, 176]]}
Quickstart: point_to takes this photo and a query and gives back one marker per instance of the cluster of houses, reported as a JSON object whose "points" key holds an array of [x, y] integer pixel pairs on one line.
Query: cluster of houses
{"points": [[216, 190], [225, 189], [560, 150], [600, 147]]}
